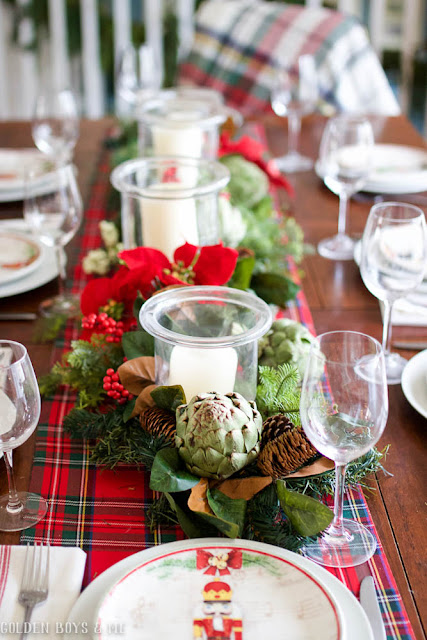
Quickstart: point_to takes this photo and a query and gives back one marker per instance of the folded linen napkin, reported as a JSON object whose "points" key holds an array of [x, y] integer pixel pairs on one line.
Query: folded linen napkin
{"points": [[409, 312], [65, 580]]}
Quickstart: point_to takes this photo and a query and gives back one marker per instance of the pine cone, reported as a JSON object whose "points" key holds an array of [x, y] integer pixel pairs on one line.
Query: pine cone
{"points": [[159, 422], [284, 447]]}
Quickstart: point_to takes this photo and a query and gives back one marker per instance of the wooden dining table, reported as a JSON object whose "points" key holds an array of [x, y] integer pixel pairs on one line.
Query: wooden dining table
{"points": [[337, 299]]}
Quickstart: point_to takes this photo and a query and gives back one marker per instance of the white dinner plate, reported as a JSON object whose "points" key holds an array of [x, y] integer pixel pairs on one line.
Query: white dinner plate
{"points": [[13, 163], [414, 382], [397, 170], [45, 271], [169, 583], [19, 255]]}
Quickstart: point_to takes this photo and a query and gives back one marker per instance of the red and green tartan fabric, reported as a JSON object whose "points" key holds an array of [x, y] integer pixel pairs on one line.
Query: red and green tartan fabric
{"points": [[104, 511], [239, 44]]}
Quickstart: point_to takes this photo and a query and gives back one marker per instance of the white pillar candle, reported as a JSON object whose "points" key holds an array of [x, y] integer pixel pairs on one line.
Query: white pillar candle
{"points": [[180, 139], [200, 370], [168, 223]]}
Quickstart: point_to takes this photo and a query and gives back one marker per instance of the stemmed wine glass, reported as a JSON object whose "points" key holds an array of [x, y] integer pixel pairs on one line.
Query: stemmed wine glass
{"points": [[344, 407], [295, 94], [53, 208], [55, 125], [345, 158], [138, 74], [393, 263], [19, 415]]}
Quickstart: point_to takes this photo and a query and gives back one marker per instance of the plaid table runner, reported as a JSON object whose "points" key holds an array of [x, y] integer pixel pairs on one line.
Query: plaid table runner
{"points": [[239, 44], [104, 511]]}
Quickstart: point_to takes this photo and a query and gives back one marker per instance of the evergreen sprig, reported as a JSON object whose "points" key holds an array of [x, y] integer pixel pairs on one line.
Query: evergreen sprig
{"points": [[356, 473], [117, 441], [266, 522], [83, 369], [278, 392]]}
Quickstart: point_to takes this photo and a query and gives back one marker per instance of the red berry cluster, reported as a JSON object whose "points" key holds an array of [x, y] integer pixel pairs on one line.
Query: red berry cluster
{"points": [[114, 388], [104, 323]]}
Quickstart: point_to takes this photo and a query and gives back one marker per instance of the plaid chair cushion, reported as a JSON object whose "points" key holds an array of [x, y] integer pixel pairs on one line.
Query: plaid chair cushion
{"points": [[239, 43]]}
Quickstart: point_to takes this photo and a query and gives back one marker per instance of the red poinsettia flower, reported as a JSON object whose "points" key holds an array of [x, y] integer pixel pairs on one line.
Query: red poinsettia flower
{"points": [[148, 269], [212, 265], [254, 151]]}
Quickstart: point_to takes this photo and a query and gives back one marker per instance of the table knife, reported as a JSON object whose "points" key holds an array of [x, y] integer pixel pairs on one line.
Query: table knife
{"points": [[368, 600], [414, 345], [24, 315]]}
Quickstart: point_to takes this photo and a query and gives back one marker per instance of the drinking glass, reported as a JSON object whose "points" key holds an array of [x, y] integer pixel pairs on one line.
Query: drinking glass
{"points": [[19, 415], [53, 209], [55, 125], [138, 74], [345, 158], [344, 409], [393, 263], [295, 94]]}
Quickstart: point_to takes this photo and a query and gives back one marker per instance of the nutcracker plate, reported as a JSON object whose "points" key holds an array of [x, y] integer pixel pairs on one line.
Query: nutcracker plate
{"points": [[219, 589]]}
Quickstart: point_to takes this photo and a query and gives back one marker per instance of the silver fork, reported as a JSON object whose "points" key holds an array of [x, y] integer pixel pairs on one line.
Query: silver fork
{"points": [[35, 581]]}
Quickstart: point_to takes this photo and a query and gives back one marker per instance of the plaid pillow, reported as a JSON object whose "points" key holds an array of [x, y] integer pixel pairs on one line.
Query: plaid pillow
{"points": [[239, 43]]}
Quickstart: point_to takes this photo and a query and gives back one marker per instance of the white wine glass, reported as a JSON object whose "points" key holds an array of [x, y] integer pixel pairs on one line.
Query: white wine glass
{"points": [[295, 94], [53, 209], [55, 125], [393, 264], [345, 160], [19, 415], [344, 408], [138, 74]]}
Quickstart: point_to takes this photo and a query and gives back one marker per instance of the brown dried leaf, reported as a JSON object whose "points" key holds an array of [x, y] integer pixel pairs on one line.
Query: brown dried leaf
{"points": [[243, 488], [318, 466], [198, 500], [137, 373], [144, 400]]}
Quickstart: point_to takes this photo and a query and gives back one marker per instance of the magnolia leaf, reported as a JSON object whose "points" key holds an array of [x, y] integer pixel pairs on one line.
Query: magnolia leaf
{"points": [[169, 474], [144, 400], [307, 515], [319, 466], [137, 343], [243, 488], [230, 514], [242, 274], [192, 526], [136, 374], [274, 288], [169, 397], [129, 409], [198, 500]]}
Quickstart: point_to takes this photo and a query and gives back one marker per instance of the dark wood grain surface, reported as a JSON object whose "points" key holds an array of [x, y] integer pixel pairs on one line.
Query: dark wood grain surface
{"points": [[338, 300]]}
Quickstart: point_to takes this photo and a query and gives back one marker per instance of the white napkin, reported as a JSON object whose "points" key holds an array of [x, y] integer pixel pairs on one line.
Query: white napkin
{"points": [[65, 581], [410, 311]]}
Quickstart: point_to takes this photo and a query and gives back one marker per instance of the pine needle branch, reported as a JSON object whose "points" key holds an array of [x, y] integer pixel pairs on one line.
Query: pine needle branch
{"points": [[278, 392]]}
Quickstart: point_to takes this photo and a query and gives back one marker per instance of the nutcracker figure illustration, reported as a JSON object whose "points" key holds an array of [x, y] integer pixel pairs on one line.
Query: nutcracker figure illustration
{"points": [[218, 618]]}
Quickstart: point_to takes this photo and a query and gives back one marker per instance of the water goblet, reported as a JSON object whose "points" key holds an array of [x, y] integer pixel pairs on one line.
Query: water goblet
{"points": [[53, 208], [345, 158], [393, 263], [138, 74], [55, 125], [19, 415], [294, 94], [344, 407]]}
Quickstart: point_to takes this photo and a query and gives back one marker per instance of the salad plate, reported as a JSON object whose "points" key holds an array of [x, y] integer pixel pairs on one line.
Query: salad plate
{"points": [[414, 382], [231, 586], [19, 255], [13, 164], [45, 268]]}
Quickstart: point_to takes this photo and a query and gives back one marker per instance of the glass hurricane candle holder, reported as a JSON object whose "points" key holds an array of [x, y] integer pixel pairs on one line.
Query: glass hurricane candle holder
{"points": [[206, 338], [166, 202], [181, 123]]}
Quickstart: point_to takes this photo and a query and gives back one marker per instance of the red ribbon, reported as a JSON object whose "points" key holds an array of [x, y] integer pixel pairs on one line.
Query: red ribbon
{"points": [[222, 562]]}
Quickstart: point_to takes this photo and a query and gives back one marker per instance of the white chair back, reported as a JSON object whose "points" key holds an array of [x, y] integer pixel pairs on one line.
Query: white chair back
{"points": [[21, 72]]}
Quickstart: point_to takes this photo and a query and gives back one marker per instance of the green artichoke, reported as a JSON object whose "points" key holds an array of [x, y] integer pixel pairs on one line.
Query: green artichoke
{"points": [[287, 341], [216, 435]]}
